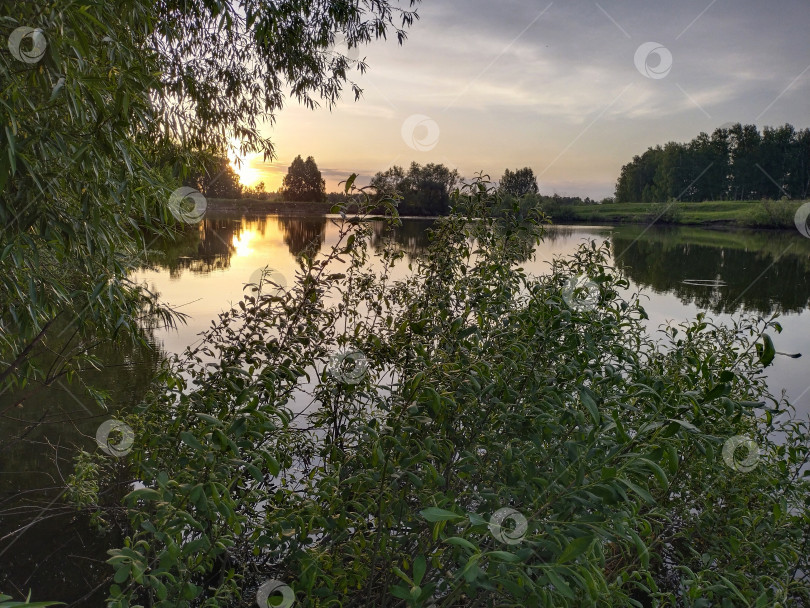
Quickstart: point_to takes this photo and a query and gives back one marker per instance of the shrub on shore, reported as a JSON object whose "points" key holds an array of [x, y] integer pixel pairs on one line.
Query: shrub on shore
{"points": [[468, 435]]}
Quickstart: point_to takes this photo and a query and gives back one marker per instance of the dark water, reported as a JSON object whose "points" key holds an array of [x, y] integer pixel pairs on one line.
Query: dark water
{"points": [[46, 547]]}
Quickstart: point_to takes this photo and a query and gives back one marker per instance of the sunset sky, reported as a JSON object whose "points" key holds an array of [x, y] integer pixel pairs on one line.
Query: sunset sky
{"points": [[557, 86]]}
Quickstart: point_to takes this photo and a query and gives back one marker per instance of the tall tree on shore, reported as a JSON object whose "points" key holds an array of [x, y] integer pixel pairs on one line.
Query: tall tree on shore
{"points": [[519, 182], [425, 189], [303, 181]]}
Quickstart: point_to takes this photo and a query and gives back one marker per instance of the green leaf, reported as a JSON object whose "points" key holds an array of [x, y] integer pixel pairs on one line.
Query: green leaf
{"points": [[504, 556], [687, 425], [401, 592], [643, 552], [559, 583], [190, 440], [768, 352], [589, 402], [419, 567], [434, 514], [349, 183], [638, 490], [659, 473], [143, 494], [461, 542], [575, 548], [717, 391]]}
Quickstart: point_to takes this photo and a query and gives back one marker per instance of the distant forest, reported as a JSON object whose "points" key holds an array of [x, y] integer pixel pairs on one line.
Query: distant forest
{"points": [[735, 163]]}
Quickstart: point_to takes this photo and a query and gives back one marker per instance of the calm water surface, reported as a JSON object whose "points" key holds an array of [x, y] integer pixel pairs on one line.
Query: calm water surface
{"points": [[758, 272]]}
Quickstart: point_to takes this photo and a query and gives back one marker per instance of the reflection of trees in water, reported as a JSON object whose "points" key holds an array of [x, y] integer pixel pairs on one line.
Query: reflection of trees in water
{"points": [[411, 237], [39, 442], [303, 233], [554, 233], [208, 246], [754, 280]]}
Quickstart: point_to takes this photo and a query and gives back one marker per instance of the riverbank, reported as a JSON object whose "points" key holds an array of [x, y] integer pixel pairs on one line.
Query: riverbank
{"points": [[747, 214], [254, 205], [741, 214]]}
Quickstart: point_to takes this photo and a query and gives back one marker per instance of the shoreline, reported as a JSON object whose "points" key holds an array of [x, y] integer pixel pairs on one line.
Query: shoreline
{"points": [[725, 215]]}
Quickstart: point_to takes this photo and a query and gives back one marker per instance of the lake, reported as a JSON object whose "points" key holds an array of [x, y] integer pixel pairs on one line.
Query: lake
{"points": [[681, 270]]}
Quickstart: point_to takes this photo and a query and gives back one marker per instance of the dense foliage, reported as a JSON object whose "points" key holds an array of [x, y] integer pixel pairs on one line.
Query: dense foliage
{"points": [[303, 181], [734, 163], [468, 435], [422, 189], [106, 108]]}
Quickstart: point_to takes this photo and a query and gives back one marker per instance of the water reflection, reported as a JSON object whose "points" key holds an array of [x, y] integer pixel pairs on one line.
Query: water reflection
{"points": [[211, 246], [412, 237], [759, 270], [750, 270], [303, 233]]}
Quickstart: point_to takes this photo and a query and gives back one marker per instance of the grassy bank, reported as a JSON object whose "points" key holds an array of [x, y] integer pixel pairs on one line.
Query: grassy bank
{"points": [[752, 214]]}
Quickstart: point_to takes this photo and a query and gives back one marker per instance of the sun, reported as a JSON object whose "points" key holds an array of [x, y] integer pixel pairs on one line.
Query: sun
{"points": [[248, 174], [242, 164]]}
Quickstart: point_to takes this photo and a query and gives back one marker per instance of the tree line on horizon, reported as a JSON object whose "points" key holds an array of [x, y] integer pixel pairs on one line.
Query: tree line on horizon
{"points": [[734, 163], [420, 189]]}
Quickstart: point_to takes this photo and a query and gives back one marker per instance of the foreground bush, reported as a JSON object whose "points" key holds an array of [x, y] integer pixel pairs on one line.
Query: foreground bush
{"points": [[467, 436]]}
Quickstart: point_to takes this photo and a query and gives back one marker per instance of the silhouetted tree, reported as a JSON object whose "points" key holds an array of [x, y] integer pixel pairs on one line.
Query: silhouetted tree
{"points": [[303, 181], [425, 190], [519, 182]]}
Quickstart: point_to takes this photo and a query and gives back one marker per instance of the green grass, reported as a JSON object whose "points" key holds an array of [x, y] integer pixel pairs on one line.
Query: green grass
{"points": [[761, 214]]}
